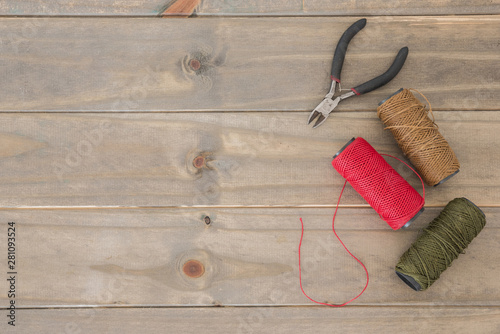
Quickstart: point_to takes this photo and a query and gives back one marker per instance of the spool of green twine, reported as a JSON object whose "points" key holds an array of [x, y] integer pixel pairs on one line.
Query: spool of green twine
{"points": [[440, 243]]}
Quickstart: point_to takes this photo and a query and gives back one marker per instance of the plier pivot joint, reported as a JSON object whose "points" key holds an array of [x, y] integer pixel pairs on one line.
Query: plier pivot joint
{"points": [[331, 100]]}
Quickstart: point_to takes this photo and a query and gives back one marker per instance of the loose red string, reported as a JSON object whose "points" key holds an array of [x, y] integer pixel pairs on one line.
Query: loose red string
{"points": [[343, 245], [347, 250]]}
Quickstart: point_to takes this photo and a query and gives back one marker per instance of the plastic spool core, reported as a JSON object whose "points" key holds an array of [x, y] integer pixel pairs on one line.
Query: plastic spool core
{"points": [[468, 200], [447, 178], [408, 223], [387, 98], [409, 281], [344, 147], [411, 220]]}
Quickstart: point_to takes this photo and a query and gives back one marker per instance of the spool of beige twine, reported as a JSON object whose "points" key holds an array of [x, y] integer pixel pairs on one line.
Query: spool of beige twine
{"points": [[418, 136]]}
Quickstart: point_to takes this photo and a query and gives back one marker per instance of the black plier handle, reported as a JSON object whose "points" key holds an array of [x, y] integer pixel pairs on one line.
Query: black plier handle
{"points": [[341, 49], [324, 109]]}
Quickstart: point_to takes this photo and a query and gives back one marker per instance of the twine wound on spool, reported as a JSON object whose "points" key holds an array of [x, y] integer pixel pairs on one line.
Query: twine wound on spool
{"points": [[418, 136], [394, 199], [383, 188], [440, 243]]}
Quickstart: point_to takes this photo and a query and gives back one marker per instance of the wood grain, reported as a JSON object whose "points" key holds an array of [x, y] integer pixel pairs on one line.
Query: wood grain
{"points": [[135, 257], [252, 159], [120, 136], [245, 320], [240, 64], [248, 8], [359, 7]]}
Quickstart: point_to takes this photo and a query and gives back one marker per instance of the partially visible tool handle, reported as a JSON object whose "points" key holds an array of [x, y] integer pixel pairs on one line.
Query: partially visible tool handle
{"points": [[338, 57], [386, 77]]}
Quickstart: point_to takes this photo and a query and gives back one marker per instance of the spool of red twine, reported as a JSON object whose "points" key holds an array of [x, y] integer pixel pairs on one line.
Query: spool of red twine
{"points": [[392, 197]]}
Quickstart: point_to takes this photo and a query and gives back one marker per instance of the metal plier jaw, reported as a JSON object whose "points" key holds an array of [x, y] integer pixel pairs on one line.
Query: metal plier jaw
{"points": [[326, 106], [331, 100]]}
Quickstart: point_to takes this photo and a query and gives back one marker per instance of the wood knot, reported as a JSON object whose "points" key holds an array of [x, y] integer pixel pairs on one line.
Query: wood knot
{"points": [[199, 162], [194, 64], [193, 268], [207, 220]]}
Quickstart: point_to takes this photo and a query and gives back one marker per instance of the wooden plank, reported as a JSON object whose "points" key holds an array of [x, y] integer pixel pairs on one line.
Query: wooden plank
{"points": [[257, 159], [245, 320], [363, 7], [234, 64], [245, 8], [136, 257]]}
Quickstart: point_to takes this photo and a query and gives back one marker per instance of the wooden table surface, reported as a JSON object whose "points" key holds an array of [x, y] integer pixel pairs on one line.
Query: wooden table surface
{"points": [[123, 126]]}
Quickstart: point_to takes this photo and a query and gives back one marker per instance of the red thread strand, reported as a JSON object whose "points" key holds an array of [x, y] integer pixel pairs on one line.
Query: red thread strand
{"points": [[347, 250], [363, 142]]}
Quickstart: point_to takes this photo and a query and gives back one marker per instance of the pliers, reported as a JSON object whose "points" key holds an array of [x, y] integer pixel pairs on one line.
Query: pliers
{"points": [[331, 101]]}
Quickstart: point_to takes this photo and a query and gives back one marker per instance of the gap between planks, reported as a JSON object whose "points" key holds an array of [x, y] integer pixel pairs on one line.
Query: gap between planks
{"points": [[222, 8], [276, 320], [326, 206], [249, 306]]}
